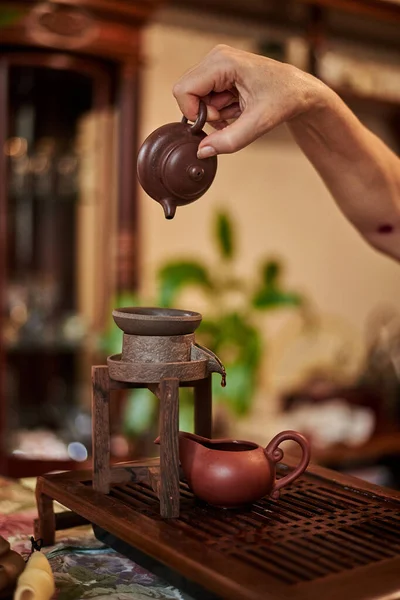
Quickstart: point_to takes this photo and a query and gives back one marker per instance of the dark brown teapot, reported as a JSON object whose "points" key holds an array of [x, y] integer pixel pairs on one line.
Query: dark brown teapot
{"points": [[231, 473], [168, 168]]}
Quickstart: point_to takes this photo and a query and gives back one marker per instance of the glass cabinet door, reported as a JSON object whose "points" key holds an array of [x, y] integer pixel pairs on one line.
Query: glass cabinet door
{"points": [[59, 130]]}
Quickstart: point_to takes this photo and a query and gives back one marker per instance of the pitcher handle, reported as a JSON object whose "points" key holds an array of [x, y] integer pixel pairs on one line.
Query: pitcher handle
{"points": [[275, 454]]}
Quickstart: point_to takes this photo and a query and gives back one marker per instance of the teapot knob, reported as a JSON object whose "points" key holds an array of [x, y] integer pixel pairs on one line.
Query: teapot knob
{"points": [[196, 173]]}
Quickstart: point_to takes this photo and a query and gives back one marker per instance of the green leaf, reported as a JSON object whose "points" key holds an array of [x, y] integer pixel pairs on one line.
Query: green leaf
{"points": [[75, 592], [271, 271], [111, 340], [271, 295], [208, 333], [270, 298], [140, 412], [123, 588], [238, 344], [186, 415], [105, 579], [9, 16], [176, 275], [225, 236], [96, 592], [239, 393], [82, 574], [235, 339]]}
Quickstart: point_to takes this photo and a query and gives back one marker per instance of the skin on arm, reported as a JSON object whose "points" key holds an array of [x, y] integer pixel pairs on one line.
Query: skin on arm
{"points": [[248, 95]]}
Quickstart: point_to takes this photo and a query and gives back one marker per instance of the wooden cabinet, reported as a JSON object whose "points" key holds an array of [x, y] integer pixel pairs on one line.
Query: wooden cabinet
{"points": [[69, 99], [69, 85]]}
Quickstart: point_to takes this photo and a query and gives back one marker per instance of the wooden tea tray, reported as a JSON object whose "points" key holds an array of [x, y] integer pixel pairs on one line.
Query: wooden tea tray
{"points": [[329, 537]]}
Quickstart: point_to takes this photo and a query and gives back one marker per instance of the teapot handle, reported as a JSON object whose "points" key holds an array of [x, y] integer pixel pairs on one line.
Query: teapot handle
{"points": [[201, 119], [275, 454]]}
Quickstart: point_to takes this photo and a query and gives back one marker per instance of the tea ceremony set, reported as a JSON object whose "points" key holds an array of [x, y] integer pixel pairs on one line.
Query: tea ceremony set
{"points": [[217, 518]]}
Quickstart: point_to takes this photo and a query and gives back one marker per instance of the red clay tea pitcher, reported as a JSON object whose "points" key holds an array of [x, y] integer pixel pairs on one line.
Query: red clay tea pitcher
{"points": [[168, 168], [230, 473]]}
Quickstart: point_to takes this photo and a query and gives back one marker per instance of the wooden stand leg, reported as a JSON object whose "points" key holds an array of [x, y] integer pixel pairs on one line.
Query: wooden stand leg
{"points": [[45, 525], [101, 429], [169, 448], [203, 408]]}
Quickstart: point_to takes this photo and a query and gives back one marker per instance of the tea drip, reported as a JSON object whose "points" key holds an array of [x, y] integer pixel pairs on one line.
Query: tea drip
{"points": [[168, 168]]}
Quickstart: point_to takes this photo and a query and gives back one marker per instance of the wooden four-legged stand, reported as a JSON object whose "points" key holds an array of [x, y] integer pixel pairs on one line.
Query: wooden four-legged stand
{"points": [[166, 482]]}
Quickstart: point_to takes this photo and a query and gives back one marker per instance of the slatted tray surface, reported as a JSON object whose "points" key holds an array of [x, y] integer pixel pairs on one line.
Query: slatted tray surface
{"points": [[321, 539]]}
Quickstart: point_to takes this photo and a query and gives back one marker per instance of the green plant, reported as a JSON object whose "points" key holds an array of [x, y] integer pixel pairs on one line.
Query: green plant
{"points": [[10, 16], [229, 327]]}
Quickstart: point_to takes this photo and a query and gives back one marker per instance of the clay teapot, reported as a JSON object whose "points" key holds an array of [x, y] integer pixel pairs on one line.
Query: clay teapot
{"points": [[168, 168], [11, 566], [230, 473]]}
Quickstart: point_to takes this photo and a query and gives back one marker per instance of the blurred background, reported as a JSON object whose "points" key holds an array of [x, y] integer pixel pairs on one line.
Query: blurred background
{"points": [[303, 313]]}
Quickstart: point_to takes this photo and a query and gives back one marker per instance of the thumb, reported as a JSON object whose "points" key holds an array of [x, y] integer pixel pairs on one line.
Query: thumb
{"points": [[232, 138]]}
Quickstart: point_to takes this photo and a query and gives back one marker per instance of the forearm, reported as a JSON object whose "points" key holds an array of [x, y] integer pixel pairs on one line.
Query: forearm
{"points": [[248, 95], [361, 172]]}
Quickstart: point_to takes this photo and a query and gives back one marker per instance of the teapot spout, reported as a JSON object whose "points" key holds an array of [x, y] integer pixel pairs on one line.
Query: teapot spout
{"points": [[169, 207]]}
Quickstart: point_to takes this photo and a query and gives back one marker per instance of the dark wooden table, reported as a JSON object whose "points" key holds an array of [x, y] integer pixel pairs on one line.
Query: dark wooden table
{"points": [[329, 536]]}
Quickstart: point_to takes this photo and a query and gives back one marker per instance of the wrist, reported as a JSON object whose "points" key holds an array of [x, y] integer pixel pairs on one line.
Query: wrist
{"points": [[318, 102], [325, 120]]}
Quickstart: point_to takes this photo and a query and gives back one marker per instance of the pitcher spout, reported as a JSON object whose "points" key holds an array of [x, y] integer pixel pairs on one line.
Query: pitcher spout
{"points": [[192, 437], [186, 436]]}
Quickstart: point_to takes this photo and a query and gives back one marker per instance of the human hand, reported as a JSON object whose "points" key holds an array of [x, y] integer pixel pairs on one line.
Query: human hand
{"points": [[246, 96]]}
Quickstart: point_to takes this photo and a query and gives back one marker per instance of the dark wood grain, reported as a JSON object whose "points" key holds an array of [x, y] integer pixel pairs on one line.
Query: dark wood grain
{"points": [[329, 536], [347, 481], [256, 11], [64, 520], [154, 479], [154, 537], [101, 428], [203, 407], [169, 448], [3, 250], [123, 472], [121, 385], [153, 372], [112, 30], [45, 526], [376, 9], [100, 39], [127, 241]]}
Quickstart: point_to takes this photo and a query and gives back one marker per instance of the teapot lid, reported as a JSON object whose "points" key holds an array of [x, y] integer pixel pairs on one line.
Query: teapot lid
{"points": [[168, 168]]}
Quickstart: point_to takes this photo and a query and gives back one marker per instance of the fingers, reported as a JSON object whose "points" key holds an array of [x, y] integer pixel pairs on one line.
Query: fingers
{"points": [[219, 124], [188, 92], [214, 74], [232, 138], [230, 112], [222, 99], [212, 113], [220, 108]]}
